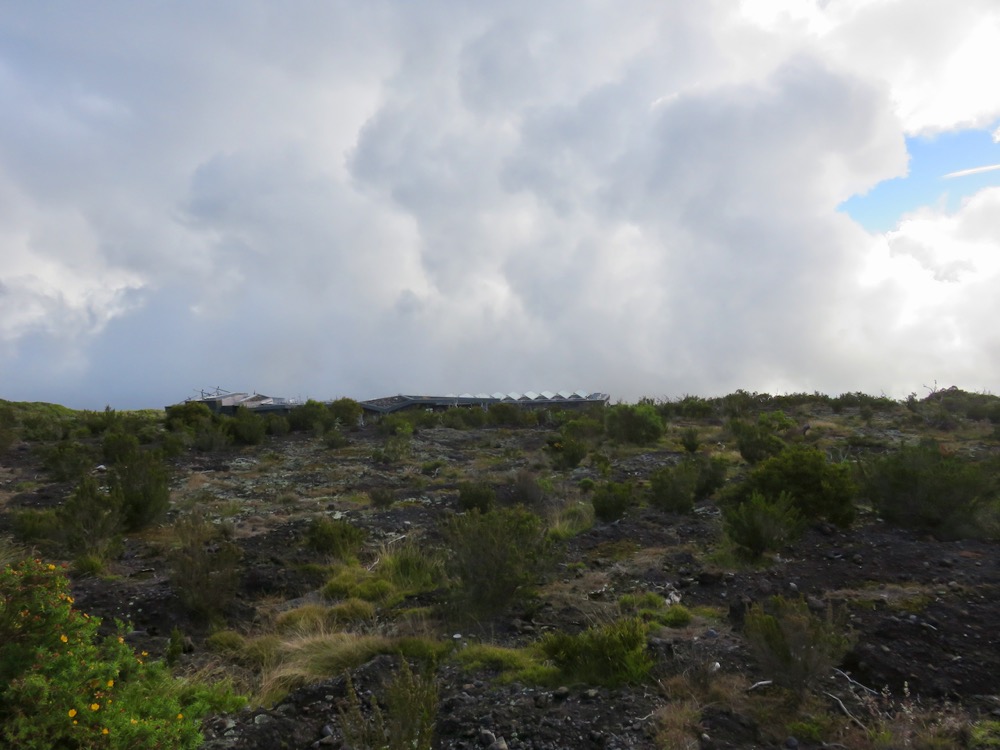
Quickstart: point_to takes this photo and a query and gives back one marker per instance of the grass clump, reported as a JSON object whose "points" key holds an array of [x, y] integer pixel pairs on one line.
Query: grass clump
{"points": [[355, 582], [411, 567], [611, 655], [334, 537]]}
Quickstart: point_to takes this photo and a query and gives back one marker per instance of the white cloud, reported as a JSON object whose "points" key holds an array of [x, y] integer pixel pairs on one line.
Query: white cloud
{"points": [[365, 199]]}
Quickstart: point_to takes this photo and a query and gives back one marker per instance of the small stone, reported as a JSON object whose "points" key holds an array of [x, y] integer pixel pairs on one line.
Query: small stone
{"points": [[486, 737], [792, 586], [326, 731], [500, 744], [261, 719], [791, 743], [561, 693], [591, 694], [857, 559]]}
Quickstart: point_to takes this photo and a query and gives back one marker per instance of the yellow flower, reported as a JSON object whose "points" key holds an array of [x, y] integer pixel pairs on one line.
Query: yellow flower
{"points": [[135, 721], [51, 566], [111, 683], [145, 653], [64, 639], [95, 706], [104, 731], [180, 716], [72, 713], [121, 640]]}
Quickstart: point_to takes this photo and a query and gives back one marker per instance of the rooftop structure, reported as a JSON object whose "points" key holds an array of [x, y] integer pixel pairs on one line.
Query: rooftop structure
{"points": [[226, 402], [529, 400]]}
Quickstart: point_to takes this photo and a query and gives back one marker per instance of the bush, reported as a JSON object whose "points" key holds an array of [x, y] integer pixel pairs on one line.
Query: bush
{"points": [[819, 489], [566, 452], [639, 424], [672, 488], [476, 496], [403, 721], [920, 487], [690, 440], [527, 490], [118, 446], [756, 442], [761, 524], [506, 415], [62, 685], [711, 476], [142, 480], [611, 500], [91, 521], [67, 461], [346, 413], [493, 557], [334, 537], [312, 416], [247, 427], [794, 647], [204, 567], [612, 655], [192, 414]]}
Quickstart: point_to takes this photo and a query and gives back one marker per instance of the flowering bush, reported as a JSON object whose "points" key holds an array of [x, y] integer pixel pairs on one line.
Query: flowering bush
{"points": [[62, 685]]}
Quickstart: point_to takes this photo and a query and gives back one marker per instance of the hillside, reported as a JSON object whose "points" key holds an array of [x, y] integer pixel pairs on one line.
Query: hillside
{"points": [[745, 571]]}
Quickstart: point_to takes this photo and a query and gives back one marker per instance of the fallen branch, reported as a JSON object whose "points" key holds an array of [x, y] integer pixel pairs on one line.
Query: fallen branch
{"points": [[844, 709]]}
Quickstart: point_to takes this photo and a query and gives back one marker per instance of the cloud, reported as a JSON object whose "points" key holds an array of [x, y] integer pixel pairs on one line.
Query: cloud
{"points": [[346, 200], [974, 170]]}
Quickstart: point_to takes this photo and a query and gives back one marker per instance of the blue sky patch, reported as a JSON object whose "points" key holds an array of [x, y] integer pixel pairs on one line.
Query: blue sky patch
{"points": [[931, 158]]}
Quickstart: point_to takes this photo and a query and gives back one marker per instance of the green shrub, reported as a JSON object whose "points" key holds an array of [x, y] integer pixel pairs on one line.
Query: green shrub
{"points": [[91, 521], [755, 441], [248, 427], [761, 524], [819, 489], [690, 440], [611, 500], [212, 436], [118, 446], [583, 428], [506, 415], [346, 413], [711, 476], [204, 567], [334, 537], [493, 557], [62, 685], [672, 488], [312, 416], [920, 487], [640, 424], [566, 452], [528, 490], [612, 655], [142, 480], [37, 526], [403, 720], [191, 414], [476, 496], [334, 439], [381, 497], [67, 461], [277, 425], [794, 647]]}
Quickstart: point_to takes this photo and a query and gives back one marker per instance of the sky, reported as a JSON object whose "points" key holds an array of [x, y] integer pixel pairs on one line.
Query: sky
{"points": [[640, 197]]}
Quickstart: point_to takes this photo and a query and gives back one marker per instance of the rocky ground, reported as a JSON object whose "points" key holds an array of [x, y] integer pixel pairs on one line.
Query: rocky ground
{"points": [[923, 613]]}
